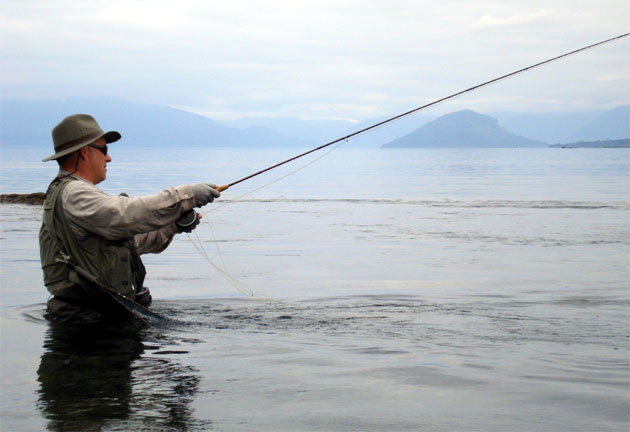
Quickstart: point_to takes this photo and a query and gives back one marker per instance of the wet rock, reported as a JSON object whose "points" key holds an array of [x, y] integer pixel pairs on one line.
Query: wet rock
{"points": [[36, 198]]}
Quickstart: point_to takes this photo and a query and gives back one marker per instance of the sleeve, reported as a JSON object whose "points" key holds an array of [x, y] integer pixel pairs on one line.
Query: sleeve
{"points": [[155, 241], [120, 217]]}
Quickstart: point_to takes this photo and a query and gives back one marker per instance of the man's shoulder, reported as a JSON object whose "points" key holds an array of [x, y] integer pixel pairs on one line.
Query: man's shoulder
{"points": [[79, 189]]}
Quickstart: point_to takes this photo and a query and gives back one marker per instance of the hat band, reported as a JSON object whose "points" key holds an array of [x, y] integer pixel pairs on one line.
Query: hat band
{"points": [[78, 141]]}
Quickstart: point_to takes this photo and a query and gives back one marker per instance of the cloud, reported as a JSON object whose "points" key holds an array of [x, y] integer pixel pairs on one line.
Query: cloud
{"points": [[303, 58], [492, 21]]}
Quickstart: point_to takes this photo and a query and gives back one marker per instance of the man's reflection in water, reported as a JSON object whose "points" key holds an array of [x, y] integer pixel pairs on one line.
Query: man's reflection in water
{"points": [[93, 378]]}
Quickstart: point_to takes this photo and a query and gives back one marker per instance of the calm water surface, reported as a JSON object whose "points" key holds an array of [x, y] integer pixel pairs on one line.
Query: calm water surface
{"points": [[392, 290]]}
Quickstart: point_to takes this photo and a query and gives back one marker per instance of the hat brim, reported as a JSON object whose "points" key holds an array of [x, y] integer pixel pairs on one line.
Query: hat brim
{"points": [[110, 137]]}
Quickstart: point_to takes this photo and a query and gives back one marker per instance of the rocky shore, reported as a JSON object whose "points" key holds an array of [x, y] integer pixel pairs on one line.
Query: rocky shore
{"points": [[36, 198]]}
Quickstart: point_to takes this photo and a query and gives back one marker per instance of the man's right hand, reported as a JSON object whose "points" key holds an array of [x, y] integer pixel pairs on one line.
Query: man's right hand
{"points": [[204, 193]]}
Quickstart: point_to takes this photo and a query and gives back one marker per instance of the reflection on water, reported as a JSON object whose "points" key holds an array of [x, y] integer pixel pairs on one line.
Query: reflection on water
{"points": [[398, 362], [85, 376], [95, 378]]}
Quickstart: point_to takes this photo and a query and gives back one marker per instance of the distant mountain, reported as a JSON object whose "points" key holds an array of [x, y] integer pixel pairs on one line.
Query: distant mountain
{"points": [[386, 133], [569, 127], [462, 129], [317, 131], [547, 127], [613, 124], [324, 131], [30, 123]]}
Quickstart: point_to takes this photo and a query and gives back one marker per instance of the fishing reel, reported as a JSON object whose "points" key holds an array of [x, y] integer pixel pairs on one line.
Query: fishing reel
{"points": [[188, 221]]}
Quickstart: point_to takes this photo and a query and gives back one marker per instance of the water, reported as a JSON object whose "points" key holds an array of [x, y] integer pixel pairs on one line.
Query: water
{"points": [[454, 289]]}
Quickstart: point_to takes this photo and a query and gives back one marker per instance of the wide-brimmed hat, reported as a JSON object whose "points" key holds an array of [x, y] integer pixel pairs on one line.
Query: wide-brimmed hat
{"points": [[77, 131]]}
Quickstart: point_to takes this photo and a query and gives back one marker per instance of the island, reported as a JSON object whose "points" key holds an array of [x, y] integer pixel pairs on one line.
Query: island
{"points": [[615, 143], [462, 129]]}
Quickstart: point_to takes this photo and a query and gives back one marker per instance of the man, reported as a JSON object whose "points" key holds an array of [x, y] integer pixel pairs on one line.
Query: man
{"points": [[100, 234]]}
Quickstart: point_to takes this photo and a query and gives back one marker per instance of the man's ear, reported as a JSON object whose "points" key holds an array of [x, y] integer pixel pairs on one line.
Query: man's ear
{"points": [[83, 151]]}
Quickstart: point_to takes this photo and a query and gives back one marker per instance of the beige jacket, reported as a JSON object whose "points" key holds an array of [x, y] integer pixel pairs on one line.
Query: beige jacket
{"points": [[150, 219]]}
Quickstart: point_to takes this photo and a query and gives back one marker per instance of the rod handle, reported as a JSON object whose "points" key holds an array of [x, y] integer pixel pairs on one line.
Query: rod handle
{"points": [[222, 188]]}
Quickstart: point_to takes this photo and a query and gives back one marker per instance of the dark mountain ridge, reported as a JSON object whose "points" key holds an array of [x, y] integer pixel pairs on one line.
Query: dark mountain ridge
{"points": [[30, 123]]}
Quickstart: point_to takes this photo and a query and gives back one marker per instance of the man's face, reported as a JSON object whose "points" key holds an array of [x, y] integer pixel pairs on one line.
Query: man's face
{"points": [[97, 160]]}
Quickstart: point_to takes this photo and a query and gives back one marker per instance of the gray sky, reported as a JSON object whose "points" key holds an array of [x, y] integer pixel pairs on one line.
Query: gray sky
{"points": [[316, 59]]}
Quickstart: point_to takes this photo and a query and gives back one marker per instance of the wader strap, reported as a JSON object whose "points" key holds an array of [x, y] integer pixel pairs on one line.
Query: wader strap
{"points": [[137, 267], [48, 219]]}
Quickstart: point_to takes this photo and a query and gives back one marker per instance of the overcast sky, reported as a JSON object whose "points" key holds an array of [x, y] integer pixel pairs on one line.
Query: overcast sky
{"points": [[316, 59]]}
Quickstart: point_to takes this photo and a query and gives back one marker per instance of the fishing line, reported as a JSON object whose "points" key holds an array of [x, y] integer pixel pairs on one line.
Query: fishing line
{"points": [[246, 291], [240, 286], [454, 95], [237, 284]]}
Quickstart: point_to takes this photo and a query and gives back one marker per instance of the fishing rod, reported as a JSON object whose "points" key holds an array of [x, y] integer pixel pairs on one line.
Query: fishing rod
{"points": [[454, 95]]}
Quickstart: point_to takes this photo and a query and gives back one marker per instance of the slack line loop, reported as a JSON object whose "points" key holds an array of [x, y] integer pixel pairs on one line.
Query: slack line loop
{"points": [[454, 95]]}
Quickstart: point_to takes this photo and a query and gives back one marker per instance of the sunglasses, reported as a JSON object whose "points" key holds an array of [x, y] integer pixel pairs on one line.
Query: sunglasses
{"points": [[102, 149]]}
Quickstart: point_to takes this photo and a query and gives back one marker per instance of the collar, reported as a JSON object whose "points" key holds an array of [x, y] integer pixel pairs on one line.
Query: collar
{"points": [[63, 173]]}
